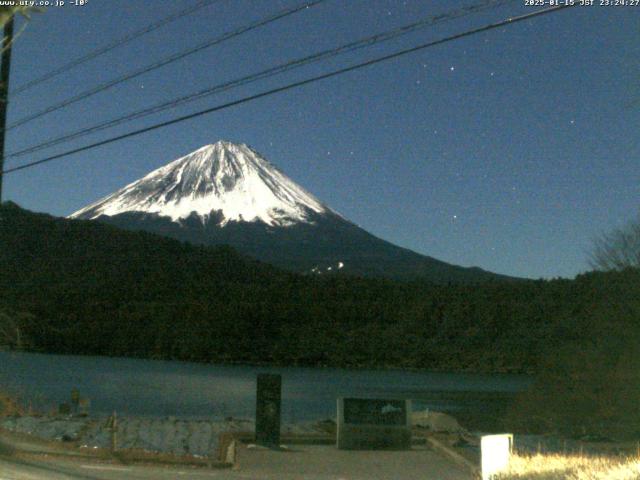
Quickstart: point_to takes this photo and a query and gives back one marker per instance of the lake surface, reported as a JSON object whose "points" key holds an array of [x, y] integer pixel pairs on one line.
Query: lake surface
{"points": [[191, 390]]}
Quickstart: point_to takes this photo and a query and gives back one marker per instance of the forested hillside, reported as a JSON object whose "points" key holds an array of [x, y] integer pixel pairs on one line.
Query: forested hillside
{"points": [[84, 287]]}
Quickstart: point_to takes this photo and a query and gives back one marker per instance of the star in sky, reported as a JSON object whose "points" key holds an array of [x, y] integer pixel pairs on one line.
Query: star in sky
{"points": [[486, 132]]}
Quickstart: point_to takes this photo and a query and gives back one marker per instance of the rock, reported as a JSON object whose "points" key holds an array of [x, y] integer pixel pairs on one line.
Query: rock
{"points": [[436, 422], [199, 438]]}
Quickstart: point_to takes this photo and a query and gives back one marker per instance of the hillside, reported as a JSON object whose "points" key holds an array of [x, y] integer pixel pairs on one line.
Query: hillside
{"points": [[91, 288]]}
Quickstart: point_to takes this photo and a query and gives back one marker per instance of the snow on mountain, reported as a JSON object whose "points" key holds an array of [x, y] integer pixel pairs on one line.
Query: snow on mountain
{"points": [[227, 194], [231, 180]]}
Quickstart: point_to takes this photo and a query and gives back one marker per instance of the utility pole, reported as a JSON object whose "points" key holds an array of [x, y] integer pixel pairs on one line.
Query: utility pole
{"points": [[5, 66]]}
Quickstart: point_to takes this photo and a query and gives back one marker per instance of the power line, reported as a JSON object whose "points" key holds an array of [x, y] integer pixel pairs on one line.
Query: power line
{"points": [[111, 46], [291, 86], [320, 56], [166, 61]]}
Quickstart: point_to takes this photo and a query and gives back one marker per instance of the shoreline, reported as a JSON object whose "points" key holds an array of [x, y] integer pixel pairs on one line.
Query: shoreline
{"points": [[530, 374], [170, 435]]}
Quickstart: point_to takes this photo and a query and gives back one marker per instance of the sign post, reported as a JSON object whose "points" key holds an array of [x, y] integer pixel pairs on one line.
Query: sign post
{"points": [[495, 451]]}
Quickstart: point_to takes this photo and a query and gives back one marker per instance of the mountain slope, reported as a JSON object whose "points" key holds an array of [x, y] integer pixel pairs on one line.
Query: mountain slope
{"points": [[228, 194], [222, 182], [74, 260], [82, 287]]}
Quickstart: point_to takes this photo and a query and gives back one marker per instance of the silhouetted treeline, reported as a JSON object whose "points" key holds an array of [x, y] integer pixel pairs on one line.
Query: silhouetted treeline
{"points": [[89, 288]]}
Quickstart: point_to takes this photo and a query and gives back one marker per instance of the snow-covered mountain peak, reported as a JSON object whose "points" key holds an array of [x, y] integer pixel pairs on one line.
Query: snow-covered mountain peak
{"points": [[231, 181]]}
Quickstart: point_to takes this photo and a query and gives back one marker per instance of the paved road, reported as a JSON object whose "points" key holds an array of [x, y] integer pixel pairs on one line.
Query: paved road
{"points": [[328, 463], [309, 463], [47, 469]]}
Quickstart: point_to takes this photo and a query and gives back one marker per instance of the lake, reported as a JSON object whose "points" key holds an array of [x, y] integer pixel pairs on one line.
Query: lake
{"points": [[191, 390]]}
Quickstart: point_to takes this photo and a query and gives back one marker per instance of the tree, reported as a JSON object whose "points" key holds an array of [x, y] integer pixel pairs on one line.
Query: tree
{"points": [[7, 12], [618, 249]]}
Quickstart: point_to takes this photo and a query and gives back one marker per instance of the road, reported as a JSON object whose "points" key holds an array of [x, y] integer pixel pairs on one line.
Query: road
{"points": [[300, 462], [49, 469], [263, 466]]}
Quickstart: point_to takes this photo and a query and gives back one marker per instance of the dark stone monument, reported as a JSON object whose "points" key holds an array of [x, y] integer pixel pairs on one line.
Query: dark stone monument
{"points": [[365, 423], [268, 406]]}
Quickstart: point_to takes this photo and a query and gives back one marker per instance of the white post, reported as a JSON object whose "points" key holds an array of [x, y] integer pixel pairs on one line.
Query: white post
{"points": [[495, 451]]}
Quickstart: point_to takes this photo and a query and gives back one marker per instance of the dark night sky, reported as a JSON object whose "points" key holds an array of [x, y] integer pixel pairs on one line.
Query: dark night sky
{"points": [[509, 150]]}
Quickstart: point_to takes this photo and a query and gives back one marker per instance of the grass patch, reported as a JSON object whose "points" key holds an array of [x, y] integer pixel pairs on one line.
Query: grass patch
{"points": [[572, 467]]}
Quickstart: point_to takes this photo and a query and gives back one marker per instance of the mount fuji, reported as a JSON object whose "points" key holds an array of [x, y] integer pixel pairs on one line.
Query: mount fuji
{"points": [[227, 193]]}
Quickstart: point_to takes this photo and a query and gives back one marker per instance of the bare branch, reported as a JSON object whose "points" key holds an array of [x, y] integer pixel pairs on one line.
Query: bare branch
{"points": [[618, 249]]}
